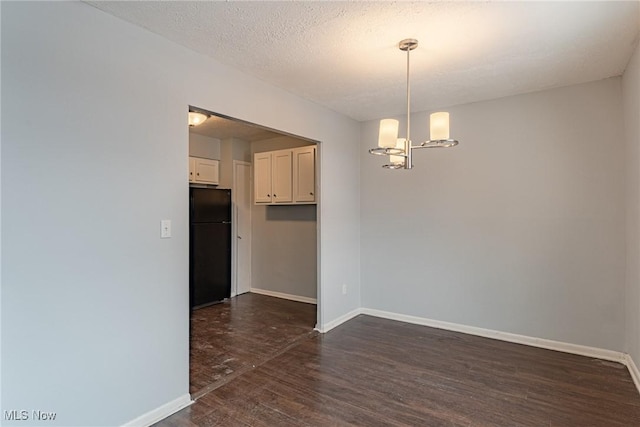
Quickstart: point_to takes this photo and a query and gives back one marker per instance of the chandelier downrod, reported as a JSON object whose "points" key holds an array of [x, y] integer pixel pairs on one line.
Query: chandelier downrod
{"points": [[407, 143]]}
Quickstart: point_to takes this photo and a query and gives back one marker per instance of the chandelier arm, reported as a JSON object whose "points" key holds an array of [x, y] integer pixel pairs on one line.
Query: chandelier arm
{"points": [[438, 143], [381, 151], [393, 166]]}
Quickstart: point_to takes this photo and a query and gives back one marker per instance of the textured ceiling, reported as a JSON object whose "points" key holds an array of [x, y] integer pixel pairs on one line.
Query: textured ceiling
{"points": [[221, 128], [344, 54]]}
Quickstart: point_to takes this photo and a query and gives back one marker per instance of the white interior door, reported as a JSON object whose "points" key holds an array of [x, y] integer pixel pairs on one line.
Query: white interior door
{"points": [[242, 190]]}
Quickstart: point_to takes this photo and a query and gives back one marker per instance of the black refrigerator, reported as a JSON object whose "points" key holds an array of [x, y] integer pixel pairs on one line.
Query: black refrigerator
{"points": [[210, 246]]}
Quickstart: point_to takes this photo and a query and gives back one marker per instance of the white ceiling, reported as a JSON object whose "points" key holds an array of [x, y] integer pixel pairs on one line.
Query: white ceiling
{"points": [[344, 55], [222, 128]]}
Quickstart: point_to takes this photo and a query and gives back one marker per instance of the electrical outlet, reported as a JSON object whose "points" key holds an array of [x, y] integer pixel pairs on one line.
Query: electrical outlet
{"points": [[344, 289], [165, 229]]}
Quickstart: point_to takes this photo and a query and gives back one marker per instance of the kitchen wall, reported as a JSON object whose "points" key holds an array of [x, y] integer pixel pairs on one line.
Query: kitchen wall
{"points": [[631, 105], [284, 239], [95, 311], [232, 149], [204, 146], [520, 228]]}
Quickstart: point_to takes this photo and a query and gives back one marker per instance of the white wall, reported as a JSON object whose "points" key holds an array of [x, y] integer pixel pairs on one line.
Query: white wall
{"points": [[283, 250], [284, 239], [94, 303], [277, 143], [518, 229], [204, 146], [232, 149], [631, 105]]}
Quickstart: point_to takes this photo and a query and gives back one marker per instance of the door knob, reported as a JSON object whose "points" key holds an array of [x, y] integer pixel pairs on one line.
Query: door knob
{"points": [[239, 237]]}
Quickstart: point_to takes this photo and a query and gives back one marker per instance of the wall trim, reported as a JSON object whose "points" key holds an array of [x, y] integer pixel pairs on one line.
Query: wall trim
{"points": [[582, 350], [633, 370], [161, 412], [284, 296], [339, 321]]}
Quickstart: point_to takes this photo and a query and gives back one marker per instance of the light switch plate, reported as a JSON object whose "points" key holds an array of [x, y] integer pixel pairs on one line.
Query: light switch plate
{"points": [[165, 229]]}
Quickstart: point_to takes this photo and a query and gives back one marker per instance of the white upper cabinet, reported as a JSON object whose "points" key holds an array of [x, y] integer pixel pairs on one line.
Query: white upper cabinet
{"points": [[281, 174], [192, 169], [285, 176], [304, 174], [204, 171], [262, 177]]}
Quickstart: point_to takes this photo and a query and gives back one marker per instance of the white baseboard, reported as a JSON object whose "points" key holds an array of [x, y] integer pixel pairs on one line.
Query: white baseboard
{"points": [[582, 350], [339, 321], [284, 296], [160, 413], [633, 370]]}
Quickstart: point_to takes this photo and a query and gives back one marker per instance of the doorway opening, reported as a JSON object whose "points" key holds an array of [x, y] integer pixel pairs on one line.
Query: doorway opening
{"points": [[272, 300]]}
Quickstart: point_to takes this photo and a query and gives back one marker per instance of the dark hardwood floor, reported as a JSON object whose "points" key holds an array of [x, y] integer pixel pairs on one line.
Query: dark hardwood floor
{"points": [[376, 372], [229, 338]]}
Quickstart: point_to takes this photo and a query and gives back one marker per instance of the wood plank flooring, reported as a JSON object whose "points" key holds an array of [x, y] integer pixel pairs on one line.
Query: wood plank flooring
{"points": [[377, 372], [231, 337]]}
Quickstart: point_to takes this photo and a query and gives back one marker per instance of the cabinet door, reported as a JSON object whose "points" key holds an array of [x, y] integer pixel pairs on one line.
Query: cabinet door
{"points": [[304, 175], [207, 171], [262, 178], [281, 172], [192, 169]]}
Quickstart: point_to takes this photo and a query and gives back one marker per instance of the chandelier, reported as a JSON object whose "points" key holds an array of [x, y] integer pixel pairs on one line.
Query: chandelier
{"points": [[400, 150]]}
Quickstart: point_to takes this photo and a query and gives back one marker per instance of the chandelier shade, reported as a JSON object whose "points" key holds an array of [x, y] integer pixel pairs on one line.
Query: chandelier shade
{"points": [[439, 126], [398, 160], [388, 133]]}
